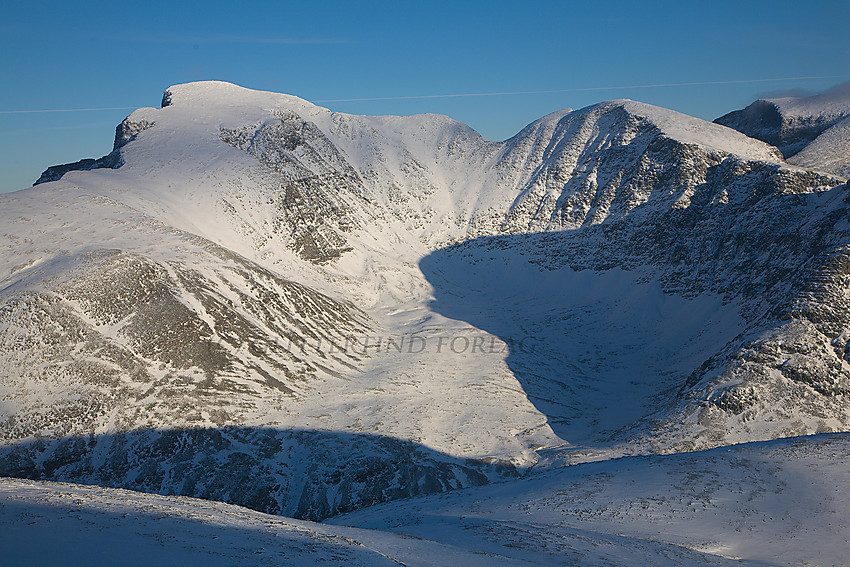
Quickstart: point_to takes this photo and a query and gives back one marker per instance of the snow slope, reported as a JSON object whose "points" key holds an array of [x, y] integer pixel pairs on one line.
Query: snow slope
{"points": [[776, 503], [828, 152], [54, 523]]}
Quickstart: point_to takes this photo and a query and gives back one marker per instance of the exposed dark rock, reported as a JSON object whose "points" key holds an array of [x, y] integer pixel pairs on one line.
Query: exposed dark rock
{"points": [[127, 131], [112, 160]]}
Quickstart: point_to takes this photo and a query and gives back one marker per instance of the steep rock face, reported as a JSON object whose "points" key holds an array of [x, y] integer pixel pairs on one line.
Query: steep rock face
{"points": [[779, 257], [315, 181], [127, 131], [124, 133], [111, 160]]}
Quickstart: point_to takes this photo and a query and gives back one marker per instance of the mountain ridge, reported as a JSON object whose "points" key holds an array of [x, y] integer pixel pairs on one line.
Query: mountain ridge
{"points": [[240, 220]]}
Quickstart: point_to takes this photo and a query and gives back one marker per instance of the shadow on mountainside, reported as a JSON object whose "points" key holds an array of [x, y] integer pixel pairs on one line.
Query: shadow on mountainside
{"points": [[136, 532], [595, 350], [304, 474], [622, 319]]}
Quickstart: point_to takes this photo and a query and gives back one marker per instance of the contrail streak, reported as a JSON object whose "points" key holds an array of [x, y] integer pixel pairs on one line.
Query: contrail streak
{"points": [[504, 93], [584, 89], [69, 110]]}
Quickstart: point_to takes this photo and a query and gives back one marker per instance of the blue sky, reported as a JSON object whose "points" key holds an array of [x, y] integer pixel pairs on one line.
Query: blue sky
{"points": [[82, 55]]}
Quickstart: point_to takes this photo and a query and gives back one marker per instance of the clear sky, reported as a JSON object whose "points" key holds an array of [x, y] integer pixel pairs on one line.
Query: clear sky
{"points": [[84, 55]]}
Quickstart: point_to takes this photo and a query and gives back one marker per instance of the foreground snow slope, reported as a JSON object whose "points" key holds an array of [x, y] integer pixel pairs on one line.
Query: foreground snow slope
{"points": [[777, 503], [176, 321], [64, 524]]}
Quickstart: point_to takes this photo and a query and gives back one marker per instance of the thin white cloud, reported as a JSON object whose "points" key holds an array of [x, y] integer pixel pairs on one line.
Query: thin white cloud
{"points": [[268, 40], [183, 38], [210, 39]]}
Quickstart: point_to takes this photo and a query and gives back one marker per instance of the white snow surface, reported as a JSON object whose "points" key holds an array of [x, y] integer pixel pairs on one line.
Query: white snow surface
{"points": [[776, 503], [773, 503], [428, 181], [45, 523], [690, 130], [829, 152]]}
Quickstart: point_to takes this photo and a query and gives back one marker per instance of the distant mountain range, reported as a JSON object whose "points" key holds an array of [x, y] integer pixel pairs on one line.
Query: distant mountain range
{"points": [[812, 132]]}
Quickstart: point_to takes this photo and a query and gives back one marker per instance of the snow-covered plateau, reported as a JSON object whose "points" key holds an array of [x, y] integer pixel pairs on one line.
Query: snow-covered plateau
{"points": [[257, 301]]}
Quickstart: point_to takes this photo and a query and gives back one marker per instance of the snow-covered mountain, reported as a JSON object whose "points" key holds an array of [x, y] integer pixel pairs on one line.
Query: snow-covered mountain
{"points": [[810, 131], [330, 311]]}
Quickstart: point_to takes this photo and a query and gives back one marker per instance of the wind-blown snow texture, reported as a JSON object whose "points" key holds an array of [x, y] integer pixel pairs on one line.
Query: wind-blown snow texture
{"points": [[643, 281]]}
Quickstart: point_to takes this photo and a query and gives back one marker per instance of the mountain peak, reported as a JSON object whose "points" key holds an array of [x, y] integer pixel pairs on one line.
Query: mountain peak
{"points": [[833, 103], [617, 279], [690, 130], [222, 93]]}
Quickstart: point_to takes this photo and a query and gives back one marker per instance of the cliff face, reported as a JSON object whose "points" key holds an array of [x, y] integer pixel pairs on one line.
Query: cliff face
{"points": [[124, 133]]}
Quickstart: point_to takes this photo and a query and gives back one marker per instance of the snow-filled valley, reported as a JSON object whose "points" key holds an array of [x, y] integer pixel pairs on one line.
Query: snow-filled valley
{"points": [[257, 301]]}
